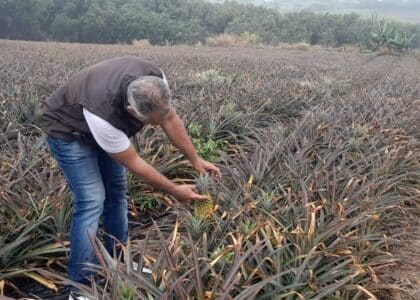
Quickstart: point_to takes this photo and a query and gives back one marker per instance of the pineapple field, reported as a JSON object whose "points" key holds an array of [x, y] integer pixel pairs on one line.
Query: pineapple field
{"points": [[319, 198]]}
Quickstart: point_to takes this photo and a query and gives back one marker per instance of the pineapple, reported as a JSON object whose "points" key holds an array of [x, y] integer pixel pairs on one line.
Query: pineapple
{"points": [[204, 208]]}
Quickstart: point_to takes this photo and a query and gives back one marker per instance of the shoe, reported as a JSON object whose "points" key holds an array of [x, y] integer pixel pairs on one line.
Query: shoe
{"points": [[143, 270], [74, 297]]}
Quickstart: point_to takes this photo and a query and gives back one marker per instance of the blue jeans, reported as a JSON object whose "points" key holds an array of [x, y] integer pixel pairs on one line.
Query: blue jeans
{"points": [[98, 184]]}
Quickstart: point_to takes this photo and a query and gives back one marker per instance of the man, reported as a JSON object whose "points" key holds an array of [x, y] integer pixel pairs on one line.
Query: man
{"points": [[88, 122]]}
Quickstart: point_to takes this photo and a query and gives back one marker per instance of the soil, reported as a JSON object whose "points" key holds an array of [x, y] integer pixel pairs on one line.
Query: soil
{"points": [[405, 275]]}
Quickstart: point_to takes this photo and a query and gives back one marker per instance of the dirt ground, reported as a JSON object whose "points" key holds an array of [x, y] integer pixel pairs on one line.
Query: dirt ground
{"points": [[406, 274]]}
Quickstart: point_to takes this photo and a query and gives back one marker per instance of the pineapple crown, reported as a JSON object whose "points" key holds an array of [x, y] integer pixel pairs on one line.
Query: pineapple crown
{"points": [[204, 184]]}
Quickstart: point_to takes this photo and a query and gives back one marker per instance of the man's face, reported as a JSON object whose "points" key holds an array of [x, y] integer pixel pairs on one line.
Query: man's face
{"points": [[156, 117]]}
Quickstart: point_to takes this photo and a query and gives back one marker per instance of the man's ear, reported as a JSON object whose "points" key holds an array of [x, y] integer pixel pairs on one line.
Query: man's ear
{"points": [[131, 110]]}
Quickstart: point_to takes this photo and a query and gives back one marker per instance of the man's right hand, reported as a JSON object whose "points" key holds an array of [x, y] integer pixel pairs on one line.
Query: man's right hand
{"points": [[132, 161], [187, 192]]}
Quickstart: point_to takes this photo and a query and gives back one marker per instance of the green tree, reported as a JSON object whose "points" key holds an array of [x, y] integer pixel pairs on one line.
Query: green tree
{"points": [[182, 21], [19, 19]]}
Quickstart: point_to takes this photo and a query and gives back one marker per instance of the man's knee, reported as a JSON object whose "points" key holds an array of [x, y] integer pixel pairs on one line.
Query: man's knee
{"points": [[90, 199]]}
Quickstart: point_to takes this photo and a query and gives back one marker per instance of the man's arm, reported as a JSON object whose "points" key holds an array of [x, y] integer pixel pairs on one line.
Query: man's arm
{"points": [[132, 161], [176, 132], [117, 145]]}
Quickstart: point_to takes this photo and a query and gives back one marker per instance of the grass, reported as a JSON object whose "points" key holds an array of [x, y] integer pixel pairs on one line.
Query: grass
{"points": [[319, 153]]}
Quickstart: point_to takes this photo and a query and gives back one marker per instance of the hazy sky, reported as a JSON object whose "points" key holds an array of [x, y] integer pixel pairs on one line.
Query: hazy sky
{"points": [[406, 10]]}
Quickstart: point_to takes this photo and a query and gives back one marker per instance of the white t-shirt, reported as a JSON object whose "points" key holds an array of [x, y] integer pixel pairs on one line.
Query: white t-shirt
{"points": [[109, 138]]}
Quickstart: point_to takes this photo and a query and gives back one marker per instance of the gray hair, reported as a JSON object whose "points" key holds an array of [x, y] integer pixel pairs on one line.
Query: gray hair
{"points": [[147, 94]]}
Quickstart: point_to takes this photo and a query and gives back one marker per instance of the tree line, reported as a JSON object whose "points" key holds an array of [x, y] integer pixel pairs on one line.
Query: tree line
{"points": [[375, 4], [181, 21]]}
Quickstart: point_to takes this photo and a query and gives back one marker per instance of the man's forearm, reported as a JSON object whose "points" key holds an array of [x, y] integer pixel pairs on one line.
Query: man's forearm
{"points": [[176, 132], [144, 171], [152, 177], [130, 159]]}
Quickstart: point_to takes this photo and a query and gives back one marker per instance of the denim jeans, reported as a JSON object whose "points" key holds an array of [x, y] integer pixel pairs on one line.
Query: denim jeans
{"points": [[98, 184]]}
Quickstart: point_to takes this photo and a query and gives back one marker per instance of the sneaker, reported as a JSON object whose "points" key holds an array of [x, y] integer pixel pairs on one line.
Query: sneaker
{"points": [[143, 270], [74, 297]]}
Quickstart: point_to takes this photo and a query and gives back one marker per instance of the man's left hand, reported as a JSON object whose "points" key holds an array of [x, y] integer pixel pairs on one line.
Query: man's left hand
{"points": [[203, 166]]}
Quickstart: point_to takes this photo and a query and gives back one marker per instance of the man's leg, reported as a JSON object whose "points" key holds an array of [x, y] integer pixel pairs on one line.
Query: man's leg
{"points": [[79, 164], [115, 207]]}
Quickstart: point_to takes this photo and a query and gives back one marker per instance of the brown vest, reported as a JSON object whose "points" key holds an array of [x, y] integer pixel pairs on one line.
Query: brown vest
{"points": [[102, 90]]}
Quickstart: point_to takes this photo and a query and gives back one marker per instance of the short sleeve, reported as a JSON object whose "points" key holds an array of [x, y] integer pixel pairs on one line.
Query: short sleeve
{"points": [[109, 138], [164, 77]]}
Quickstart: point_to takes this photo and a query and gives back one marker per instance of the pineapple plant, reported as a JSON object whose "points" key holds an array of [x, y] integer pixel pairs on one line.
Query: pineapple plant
{"points": [[197, 226], [126, 293], [203, 209]]}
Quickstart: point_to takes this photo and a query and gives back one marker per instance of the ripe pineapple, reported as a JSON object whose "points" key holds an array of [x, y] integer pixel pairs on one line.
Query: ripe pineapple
{"points": [[204, 208]]}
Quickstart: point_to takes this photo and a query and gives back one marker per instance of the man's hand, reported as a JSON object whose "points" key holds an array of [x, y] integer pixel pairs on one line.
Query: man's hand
{"points": [[175, 130], [130, 159], [203, 166], [187, 192]]}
